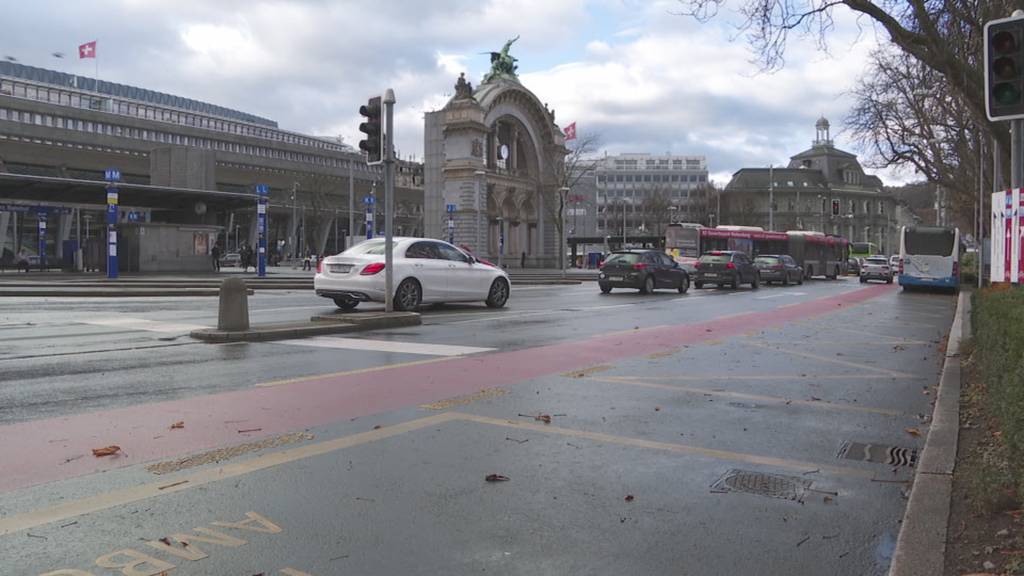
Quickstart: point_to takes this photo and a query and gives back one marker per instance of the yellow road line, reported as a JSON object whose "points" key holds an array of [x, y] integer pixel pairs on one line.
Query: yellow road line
{"points": [[73, 508], [827, 359], [670, 447], [353, 372], [754, 397]]}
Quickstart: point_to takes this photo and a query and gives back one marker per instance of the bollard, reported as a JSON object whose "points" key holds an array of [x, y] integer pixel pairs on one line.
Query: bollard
{"points": [[233, 314]]}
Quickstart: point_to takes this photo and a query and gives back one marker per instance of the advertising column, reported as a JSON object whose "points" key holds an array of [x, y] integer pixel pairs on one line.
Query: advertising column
{"points": [[262, 190], [112, 177]]}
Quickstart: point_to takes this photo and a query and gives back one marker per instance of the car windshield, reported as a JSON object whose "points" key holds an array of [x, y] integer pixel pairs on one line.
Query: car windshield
{"points": [[714, 258], [623, 258]]}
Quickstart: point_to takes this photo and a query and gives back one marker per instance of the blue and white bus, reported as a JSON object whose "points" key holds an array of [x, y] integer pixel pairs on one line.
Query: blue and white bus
{"points": [[929, 256]]}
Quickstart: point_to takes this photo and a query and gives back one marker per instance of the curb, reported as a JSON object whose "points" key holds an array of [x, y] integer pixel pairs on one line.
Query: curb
{"points": [[109, 292], [921, 545], [319, 327]]}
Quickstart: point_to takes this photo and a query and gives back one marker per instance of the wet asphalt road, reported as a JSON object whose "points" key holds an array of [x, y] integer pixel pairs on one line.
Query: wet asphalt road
{"points": [[636, 473]]}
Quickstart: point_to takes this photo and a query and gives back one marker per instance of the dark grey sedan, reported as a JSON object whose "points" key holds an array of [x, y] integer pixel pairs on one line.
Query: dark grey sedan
{"points": [[644, 270], [779, 268]]}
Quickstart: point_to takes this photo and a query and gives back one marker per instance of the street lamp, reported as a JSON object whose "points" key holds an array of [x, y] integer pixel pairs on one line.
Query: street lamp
{"points": [[771, 197], [563, 196], [501, 241], [479, 174], [672, 213]]}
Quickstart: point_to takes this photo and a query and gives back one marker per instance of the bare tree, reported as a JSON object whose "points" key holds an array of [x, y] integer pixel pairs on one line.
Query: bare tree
{"points": [[318, 208], [905, 117], [655, 208], [579, 163], [943, 36]]}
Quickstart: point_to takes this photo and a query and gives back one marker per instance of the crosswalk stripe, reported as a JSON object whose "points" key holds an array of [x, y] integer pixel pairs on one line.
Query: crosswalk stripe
{"points": [[143, 324], [385, 346]]}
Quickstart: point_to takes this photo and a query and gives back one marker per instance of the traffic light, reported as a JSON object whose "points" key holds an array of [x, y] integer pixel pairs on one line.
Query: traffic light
{"points": [[1004, 69], [373, 145]]}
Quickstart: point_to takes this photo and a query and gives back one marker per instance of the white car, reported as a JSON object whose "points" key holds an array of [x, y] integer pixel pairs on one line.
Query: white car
{"points": [[426, 272]]}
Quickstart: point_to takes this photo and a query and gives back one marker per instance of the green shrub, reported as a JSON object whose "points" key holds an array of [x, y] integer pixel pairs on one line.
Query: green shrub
{"points": [[999, 354]]}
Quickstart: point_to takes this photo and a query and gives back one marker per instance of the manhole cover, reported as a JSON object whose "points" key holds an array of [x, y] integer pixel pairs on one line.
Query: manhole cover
{"points": [[878, 453], [771, 485]]}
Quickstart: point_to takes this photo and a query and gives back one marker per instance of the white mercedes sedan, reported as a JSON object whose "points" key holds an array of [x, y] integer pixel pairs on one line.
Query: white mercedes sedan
{"points": [[426, 272]]}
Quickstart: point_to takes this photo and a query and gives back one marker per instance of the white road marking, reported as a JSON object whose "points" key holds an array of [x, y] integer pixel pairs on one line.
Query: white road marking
{"points": [[142, 324], [780, 295], [385, 346]]}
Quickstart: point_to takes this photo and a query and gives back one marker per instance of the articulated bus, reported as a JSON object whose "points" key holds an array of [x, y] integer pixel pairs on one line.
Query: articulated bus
{"points": [[817, 253], [929, 256]]}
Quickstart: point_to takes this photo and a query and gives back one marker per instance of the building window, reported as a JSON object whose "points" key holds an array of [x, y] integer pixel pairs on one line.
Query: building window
{"points": [[881, 207]]}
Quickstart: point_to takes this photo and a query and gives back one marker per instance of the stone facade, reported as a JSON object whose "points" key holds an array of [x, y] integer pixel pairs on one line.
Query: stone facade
{"points": [[823, 189], [496, 155]]}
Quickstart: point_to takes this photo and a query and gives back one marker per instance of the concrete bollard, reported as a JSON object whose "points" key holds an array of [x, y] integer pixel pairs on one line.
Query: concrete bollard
{"points": [[233, 313]]}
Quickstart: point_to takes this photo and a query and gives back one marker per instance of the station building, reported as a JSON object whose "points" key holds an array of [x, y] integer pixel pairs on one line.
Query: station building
{"points": [[188, 170]]}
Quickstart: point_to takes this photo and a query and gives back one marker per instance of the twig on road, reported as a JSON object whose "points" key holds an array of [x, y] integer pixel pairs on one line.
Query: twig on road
{"points": [[806, 538]]}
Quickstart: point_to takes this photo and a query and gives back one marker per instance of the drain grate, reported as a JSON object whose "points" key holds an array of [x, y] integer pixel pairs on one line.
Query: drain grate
{"points": [[878, 453], [771, 485]]}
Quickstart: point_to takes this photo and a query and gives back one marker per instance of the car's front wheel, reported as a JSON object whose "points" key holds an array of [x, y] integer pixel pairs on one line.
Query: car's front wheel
{"points": [[345, 303], [498, 295], [408, 295], [605, 289]]}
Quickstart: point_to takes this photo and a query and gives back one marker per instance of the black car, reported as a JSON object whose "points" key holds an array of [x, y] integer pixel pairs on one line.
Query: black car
{"points": [[646, 270], [779, 268], [726, 268]]}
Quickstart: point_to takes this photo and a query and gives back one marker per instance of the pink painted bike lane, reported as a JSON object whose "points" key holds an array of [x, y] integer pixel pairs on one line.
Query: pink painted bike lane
{"points": [[42, 451]]}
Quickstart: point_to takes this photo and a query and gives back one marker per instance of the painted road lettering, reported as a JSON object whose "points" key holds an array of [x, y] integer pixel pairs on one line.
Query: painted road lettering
{"points": [[131, 562]]}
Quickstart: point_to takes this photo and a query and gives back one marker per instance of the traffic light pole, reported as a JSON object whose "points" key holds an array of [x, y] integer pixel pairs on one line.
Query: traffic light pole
{"points": [[1016, 149], [389, 197]]}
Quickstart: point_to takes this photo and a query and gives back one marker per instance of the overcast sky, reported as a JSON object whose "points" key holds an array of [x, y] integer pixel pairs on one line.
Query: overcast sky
{"points": [[643, 78]]}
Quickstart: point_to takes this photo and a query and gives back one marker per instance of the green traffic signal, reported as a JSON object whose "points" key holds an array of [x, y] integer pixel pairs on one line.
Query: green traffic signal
{"points": [[1006, 94]]}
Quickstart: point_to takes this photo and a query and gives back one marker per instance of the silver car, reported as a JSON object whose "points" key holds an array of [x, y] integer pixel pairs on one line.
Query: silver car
{"points": [[876, 268]]}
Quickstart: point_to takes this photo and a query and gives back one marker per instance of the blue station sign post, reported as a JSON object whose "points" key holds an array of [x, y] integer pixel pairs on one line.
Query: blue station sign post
{"points": [[450, 208], [112, 176], [369, 201], [262, 191]]}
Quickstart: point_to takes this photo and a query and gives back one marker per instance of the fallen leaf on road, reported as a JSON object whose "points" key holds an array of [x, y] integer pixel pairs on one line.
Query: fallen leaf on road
{"points": [[377, 427], [629, 498], [657, 408], [545, 418], [178, 424], [166, 540], [912, 431], [828, 499], [497, 478], [815, 398], [108, 451]]}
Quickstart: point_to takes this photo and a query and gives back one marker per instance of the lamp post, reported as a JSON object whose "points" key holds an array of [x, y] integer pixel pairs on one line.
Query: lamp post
{"points": [[771, 197], [501, 241], [480, 189], [563, 193]]}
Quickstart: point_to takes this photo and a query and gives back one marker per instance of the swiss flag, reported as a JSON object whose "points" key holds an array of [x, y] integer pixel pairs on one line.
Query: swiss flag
{"points": [[570, 131], [87, 50]]}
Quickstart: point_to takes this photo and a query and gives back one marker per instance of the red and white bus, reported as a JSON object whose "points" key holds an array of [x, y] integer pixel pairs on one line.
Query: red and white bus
{"points": [[817, 253]]}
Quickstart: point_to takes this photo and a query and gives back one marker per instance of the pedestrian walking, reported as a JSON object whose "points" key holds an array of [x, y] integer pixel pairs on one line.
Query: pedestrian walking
{"points": [[522, 260], [305, 263], [215, 253], [246, 255]]}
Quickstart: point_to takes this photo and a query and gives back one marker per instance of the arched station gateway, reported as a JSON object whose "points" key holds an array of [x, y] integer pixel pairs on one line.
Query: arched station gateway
{"points": [[493, 164]]}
